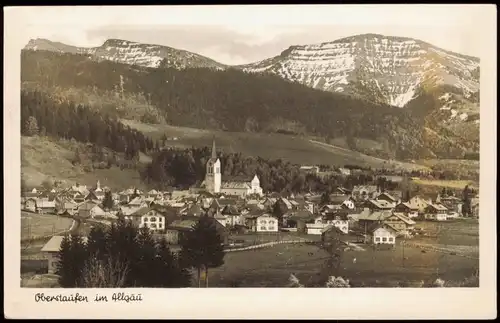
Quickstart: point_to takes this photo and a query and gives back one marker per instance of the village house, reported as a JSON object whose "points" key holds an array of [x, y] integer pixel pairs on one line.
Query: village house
{"points": [[339, 220], [89, 210], [177, 229], [51, 249], [139, 202], [407, 209], [419, 202], [333, 235], [367, 219], [364, 192], [383, 234], [436, 212], [264, 222], [218, 205], [400, 222], [66, 206], [344, 171], [379, 205], [298, 220], [44, 205], [233, 216], [342, 201], [148, 217], [388, 198], [30, 205], [193, 210]]}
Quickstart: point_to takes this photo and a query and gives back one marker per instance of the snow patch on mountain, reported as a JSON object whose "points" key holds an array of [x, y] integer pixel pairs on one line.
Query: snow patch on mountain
{"points": [[390, 68]]}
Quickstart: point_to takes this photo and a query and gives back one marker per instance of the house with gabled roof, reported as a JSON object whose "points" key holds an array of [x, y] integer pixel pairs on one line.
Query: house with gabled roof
{"points": [[365, 192], [51, 250], [385, 196], [90, 210], [407, 209], [383, 234], [379, 205], [436, 212], [263, 222], [148, 217]]}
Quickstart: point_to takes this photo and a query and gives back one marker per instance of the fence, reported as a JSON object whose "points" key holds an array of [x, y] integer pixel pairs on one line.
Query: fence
{"points": [[268, 244]]}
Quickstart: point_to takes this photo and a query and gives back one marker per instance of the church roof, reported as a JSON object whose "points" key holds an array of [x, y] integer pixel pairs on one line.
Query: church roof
{"points": [[238, 178], [237, 185]]}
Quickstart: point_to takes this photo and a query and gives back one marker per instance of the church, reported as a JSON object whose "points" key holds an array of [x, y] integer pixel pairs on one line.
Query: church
{"points": [[241, 186]]}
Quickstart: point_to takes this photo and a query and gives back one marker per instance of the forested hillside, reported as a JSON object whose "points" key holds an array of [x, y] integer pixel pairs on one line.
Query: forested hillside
{"points": [[236, 101], [42, 114]]}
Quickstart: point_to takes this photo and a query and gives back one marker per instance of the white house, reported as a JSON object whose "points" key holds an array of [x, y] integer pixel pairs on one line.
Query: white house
{"points": [[383, 234], [338, 220], [262, 223], [436, 212], [148, 217]]}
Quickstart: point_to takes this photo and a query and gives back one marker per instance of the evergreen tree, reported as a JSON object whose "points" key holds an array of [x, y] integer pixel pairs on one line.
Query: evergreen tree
{"points": [[107, 202], [466, 201], [325, 198], [47, 184], [31, 127], [169, 269], [79, 256], [202, 248], [65, 268], [96, 243], [146, 259]]}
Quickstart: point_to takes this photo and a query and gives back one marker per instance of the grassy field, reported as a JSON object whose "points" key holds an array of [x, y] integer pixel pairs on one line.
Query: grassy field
{"points": [[44, 158], [460, 232], [454, 184], [38, 225], [460, 167], [295, 149], [271, 267]]}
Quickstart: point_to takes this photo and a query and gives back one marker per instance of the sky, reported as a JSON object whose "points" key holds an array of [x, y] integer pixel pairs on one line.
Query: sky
{"points": [[244, 34]]}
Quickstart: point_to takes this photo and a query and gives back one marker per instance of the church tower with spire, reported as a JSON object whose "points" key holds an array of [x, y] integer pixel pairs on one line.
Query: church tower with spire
{"points": [[213, 177]]}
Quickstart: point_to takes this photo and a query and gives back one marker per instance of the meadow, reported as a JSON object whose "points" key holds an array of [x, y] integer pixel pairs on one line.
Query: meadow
{"points": [[45, 158], [454, 255], [295, 149], [38, 225]]}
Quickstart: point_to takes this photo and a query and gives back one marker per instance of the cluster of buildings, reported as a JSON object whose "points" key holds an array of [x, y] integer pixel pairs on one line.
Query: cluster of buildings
{"points": [[240, 205]]}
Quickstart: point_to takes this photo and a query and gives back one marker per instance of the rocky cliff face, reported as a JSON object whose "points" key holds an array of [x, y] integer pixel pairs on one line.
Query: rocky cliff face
{"points": [[127, 52], [380, 68]]}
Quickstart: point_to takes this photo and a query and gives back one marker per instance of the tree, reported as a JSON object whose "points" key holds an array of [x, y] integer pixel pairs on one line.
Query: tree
{"points": [[47, 184], [31, 126], [24, 188], [96, 243], [325, 198], [107, 202], [466, 200], [278, 213], [77, 159], [104, 273], [71, 261], [202, 248]]}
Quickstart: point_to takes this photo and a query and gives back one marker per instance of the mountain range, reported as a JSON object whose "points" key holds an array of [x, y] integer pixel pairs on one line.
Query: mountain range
{"points": [[438, 88]]}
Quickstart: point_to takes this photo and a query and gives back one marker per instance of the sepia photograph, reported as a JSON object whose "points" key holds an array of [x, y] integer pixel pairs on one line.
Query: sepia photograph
{"points": [[196, 155]]}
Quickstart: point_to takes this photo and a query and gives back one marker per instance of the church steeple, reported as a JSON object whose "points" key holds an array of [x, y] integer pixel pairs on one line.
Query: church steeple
{"points": [[214, 153]]}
